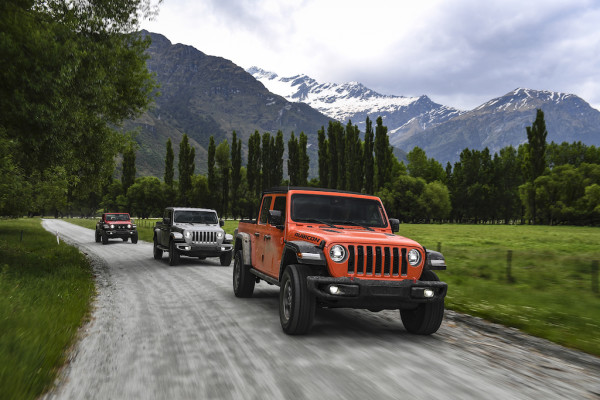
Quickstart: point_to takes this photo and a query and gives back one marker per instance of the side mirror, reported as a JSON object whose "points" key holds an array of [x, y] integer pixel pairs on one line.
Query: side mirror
{"points": [[395, 224], [167, 221], [221, 223], [275, 218]]}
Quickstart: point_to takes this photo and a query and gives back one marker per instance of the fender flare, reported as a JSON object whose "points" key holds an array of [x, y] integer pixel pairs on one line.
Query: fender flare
{"points": [[301, 252], [243, 243]]}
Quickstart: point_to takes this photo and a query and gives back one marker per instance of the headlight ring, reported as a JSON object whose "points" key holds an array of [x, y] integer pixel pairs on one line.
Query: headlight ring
{"points": [[414, 257], [337, 253]]}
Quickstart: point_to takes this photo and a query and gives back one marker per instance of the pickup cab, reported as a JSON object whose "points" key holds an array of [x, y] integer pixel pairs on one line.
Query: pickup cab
{"points": [[328, 248]]}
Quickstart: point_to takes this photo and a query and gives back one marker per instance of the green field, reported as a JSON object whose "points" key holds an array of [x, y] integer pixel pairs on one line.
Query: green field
{"points": [[549, 290], [45, 294]]}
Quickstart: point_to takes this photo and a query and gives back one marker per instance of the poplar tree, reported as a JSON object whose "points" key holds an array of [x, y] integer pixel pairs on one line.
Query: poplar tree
{"points": [[223, 173], [303, 160], [169, 158], [212, 177], [266, 160], [254, 163], [535, 162], [323, 158], [236, 167], [277, 148], [369, 163], [186, 168], [128, 174], [353, 159], [383, 155], [293, 160]]}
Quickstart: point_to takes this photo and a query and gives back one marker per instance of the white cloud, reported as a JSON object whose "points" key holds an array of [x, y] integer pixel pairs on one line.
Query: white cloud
{"points": [[460, 53]]}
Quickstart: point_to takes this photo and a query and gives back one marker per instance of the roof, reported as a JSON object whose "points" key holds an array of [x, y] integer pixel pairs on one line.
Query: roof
{"points": [[285, 189], [190, 209]]}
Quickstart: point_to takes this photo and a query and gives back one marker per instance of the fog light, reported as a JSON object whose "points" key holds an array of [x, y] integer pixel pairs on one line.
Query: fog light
{"points": [[333, 289], [428, 293]]}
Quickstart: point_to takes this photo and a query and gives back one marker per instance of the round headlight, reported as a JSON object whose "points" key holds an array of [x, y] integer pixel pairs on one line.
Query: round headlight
{"points": [[219, 235], [112, 226], [414, 257], [187, 234], [337, 253], [128, 226]]}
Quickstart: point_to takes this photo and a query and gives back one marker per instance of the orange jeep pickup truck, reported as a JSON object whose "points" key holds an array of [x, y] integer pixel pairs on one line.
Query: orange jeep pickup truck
{"points": [[336, 249]]}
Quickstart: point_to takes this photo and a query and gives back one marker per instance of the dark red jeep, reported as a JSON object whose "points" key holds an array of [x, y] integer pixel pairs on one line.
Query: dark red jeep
{"points": [[116, 225]]}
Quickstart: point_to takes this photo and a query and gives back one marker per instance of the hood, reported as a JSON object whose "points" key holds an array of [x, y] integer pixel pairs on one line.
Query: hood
{"points": [[352, 235], [199, 227]]}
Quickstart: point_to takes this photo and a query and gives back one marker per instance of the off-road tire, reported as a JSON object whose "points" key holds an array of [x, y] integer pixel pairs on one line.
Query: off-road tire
{"points": [[427, 317], [104, 238], [134, 238], [243, 280], [296, 303], [125, 239], [98, 237], [225, 258], [158, 253], [173, 254]]}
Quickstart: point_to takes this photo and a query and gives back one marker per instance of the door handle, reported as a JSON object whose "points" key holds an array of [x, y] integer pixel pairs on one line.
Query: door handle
{"points": [[257, 234], [267, 237]]}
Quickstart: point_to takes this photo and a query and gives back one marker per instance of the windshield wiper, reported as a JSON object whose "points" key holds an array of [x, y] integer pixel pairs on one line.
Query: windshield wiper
{"points": [[318, 221], [355, 223]]}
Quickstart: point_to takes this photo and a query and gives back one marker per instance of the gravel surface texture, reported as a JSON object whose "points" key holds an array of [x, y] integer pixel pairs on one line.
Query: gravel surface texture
{"points": [[161, 332]]}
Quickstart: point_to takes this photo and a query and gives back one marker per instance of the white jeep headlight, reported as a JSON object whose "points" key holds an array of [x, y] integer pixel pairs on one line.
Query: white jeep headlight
{"points": [[187, 234], [414, 257], [337, 253], [219, 235]]}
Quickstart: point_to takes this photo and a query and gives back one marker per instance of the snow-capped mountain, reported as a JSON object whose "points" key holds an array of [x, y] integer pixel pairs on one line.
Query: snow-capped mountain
{"points": [[353, 101], [501, 122]]}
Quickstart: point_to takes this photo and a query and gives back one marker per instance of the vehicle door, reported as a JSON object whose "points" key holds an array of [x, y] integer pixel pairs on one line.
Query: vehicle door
{"points": [[274, 238], [260, 235], [165, 228]]}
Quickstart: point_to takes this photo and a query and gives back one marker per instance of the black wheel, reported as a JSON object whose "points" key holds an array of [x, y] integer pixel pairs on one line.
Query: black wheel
{"points": [[173, 254], [226, 259], [243, 280], [296, 303], [104, 238], [427, 317], [157, 252], [125, 239], [134, 238], [97, 237]]}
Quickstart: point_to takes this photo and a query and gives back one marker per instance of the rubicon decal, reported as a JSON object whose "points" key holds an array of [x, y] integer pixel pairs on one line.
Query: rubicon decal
{"points": [[308, 237]]}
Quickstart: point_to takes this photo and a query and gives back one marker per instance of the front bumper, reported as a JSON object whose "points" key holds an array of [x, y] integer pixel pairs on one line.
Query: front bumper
{"points": [[121, 233], [197, 250], [375, 294]]}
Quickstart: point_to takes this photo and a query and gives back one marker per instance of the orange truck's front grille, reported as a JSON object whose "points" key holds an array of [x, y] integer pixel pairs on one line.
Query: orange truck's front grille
{"points": [[377, 261]]}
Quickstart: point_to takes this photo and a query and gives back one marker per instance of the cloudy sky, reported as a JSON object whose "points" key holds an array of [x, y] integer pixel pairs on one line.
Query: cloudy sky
{"points": [[460, 53]]}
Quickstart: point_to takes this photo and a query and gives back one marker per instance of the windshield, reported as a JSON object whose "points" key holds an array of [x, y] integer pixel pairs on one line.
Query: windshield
{"points": [[117, 217], [340, 210], [196, 217]]}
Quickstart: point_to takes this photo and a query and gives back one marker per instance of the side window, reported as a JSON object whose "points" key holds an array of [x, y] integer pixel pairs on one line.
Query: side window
{"points": [[264, 209], [280, 206]]}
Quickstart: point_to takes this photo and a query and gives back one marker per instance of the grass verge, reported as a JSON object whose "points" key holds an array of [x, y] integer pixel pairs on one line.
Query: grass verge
{"points": [[46, 291]]}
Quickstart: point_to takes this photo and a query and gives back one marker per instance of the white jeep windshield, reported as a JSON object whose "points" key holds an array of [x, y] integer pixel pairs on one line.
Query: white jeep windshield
{"points": [[195, 217], [337, 210]]}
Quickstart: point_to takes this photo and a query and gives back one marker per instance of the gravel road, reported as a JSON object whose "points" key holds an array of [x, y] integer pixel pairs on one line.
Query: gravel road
{"points": [[160, 332]]}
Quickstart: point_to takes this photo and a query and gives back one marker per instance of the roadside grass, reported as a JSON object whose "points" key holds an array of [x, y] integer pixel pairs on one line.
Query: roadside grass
{"points": [[45, 295], [548, 292]]}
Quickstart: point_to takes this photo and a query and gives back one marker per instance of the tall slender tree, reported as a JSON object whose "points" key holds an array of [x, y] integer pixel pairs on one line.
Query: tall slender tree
{"points": [[254, 163], [212, 175], [169, 158], [277, 149], [323, 158], [353, 159], [536, 158], [129, 170], [369, 162], [236, 171], [383, 155], [266, 160], [186, 167], [303, 160], [293, 160], [224, 174]]}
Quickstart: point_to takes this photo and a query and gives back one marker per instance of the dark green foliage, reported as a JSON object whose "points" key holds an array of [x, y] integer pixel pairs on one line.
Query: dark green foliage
{"points": [[266, 161], [169, 170], [335, 137], [186, 167], [254, 164], [383, 155], [128, 172], [236, 170], [323, 158], [353, 166], [212, 175], [303, 160], [421, 167], [223, 174], [277, 149], [369, 163], [293, 160]]}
